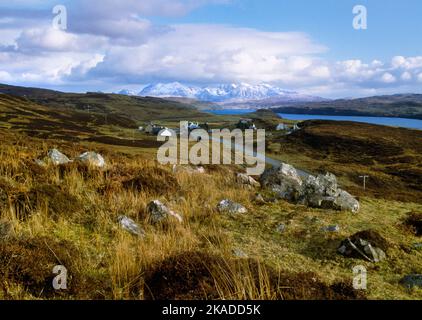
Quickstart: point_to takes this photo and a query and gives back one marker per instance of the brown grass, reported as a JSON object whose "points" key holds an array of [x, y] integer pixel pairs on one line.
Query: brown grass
{"points": [[414, 223], [68, 215]]}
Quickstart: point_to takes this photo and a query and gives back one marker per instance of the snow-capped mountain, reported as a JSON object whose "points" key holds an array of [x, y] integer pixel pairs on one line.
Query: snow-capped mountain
{"points": [[241, 92], [174, 89], [127, 92], [225, 93]]}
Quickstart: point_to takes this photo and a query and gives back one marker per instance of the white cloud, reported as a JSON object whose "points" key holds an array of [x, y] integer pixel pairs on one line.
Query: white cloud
{"points": [[406, 63], [111, 42], [388, 78], [5, 76], [215, 53], [50, 39], [406, 76]]}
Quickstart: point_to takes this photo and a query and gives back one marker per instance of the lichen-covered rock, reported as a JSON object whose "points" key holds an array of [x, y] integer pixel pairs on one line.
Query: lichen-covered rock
{"points": [[158, 212], [230, 207], [283, 175], [281, 227], [328, 182], [57, 157], [321, 191], [131, 226], [412, 280], [334, 228], [346, 202], [259, 199], [92, 159], [244, 179], [368, 245]]}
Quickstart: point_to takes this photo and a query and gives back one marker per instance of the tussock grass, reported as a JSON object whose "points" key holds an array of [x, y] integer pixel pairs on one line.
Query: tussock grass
{"points": [[69, 214]]}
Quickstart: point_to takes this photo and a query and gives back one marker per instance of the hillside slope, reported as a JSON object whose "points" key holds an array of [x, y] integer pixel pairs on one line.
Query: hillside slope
{"points": [[400, 105], [391, 157]]}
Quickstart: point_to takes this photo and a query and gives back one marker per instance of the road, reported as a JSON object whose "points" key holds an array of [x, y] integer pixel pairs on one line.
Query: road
{"points": [[274, 162]]}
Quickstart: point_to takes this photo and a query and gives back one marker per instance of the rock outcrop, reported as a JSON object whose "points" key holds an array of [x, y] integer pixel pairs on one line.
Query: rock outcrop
{"points": [[231, 207], [412, 280], [321, 191], [92, 159], [367, 245], [158, 212], [57, 158], [244, 179], [131, 226]]}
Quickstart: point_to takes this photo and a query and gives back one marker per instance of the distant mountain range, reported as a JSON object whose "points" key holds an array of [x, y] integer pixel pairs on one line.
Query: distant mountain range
{"points": [[135, 107], [235, 94]]}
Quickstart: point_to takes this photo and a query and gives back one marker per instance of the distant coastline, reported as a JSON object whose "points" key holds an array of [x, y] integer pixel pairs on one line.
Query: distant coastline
{"points": [[379, 120]]}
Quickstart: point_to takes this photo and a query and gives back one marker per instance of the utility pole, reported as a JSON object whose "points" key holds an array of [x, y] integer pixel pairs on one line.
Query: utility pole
{"points": [[364, 181]]}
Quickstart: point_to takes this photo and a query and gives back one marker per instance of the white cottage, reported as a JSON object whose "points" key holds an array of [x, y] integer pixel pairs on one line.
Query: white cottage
{"points": [[166, 132], [280, 127]]}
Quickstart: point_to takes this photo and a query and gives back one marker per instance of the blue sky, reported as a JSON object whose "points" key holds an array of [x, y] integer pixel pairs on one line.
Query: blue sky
{"points": [[308, 46], [393, 25]]}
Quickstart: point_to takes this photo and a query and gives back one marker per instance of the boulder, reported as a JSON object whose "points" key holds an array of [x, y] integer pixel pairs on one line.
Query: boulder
{"points": [[314, 193], [284, 181], [57, 157], [92, 159], [285, 174], [411, 281], [334, 228], [323, 192], [320, 191], [346, 202], [158, 212], [130, 226], [259, 199], [368, 245], [244, 179], [281, 227], [328, 183], [230, 207]]}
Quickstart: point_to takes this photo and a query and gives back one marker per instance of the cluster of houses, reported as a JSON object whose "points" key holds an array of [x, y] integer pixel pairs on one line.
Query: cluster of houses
{"points": [[287, 128], [154, 129], [243, 124]]}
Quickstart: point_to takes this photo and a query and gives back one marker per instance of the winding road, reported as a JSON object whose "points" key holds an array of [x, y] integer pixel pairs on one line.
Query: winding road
{"points": [[275, 163]]}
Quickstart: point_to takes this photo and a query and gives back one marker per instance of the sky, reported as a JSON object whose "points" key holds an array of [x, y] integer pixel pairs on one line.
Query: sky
{"points": [[308, 46]]}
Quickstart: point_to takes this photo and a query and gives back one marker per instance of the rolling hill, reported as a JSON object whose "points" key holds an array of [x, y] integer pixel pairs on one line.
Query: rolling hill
{"points": [[399, 105]]}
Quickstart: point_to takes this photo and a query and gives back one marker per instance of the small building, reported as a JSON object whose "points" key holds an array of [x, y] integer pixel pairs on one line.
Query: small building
{"points": [[192, 126], [149, 128], [244, 124], [294, 129], [166, 132], [157, 129], [280, 127], [152, 128]]}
